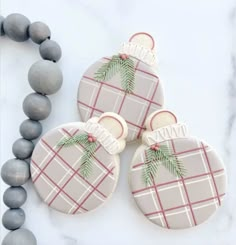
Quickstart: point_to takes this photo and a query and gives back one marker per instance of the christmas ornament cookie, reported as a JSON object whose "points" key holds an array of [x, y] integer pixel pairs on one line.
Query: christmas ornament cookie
{"points": [[126, 83], [177, 181], [75, 167]]}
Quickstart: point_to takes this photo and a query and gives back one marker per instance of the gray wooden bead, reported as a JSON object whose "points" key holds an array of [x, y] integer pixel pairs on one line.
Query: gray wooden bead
{"points": [[15, 172], [30, 129], [20, 237], [50, 50], [39, 32], [22, 148], [1, 26], [28, 160], [37, 106], [45, 77], [16, 27], [14, 197], [13, 219]]}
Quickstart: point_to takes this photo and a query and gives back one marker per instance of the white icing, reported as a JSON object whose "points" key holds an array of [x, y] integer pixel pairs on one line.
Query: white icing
{"points": [[138, 51], [165, 133], [103, 136]]}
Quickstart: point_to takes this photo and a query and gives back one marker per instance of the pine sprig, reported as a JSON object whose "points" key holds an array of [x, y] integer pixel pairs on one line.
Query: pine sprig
{"points": [[171, 162], [81, 138], [109, 69], [118, 65], [154, 158], [150, 168], [127, 75], [87, 160], [86, 166]]}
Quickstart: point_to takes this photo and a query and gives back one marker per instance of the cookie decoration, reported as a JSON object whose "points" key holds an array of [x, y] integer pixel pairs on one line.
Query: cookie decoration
{"points": [[75, 167], [177, 181], [126, 84]]}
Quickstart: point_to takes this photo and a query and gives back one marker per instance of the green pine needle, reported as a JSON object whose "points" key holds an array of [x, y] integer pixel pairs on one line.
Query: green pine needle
{"points": [[149, 171], [86, 166], [171, 162], [124, 67], [87, 160], [81, 138], [127, 75], [163, 156], [109, 69]]}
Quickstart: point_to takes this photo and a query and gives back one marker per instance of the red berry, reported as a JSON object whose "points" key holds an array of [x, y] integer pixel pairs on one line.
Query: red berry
{"points": [[94, 138], [124, 56], [153, 147], [90, 139]]}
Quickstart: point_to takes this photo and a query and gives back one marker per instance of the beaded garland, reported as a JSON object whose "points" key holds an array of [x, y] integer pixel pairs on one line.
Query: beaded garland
{"points": [[45, 78]]}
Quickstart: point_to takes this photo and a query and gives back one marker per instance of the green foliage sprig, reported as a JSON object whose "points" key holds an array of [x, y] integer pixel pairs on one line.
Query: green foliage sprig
{"points": [[118, 64], [158, 155], [89, 143]]}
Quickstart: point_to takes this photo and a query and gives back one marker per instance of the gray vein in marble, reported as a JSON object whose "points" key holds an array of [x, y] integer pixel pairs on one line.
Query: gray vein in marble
{"points": [[232, 103], [227, 223], [232, 87]]}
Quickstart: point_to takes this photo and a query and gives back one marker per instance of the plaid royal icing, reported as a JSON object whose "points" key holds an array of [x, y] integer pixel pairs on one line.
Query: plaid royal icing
{"points": [[56, 177], [177, 203], [95, 97]]}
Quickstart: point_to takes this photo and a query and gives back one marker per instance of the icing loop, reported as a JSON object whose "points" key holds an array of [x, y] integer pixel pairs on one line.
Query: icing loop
{"points": [[165, 133], [138, 51], [103, 136]]}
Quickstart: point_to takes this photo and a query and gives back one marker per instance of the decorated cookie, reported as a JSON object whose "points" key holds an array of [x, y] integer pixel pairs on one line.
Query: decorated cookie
{"points": [[126, 83], [75, 167], [177, 181]]}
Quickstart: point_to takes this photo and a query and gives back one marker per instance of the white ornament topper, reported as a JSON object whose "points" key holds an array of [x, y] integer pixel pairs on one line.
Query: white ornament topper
{"points": [[162, 125], [110, 131], [141, 46]]}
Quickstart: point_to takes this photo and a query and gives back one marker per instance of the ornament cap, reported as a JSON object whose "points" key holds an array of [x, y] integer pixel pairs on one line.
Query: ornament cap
{"points": [[141, 46], [144, 39]]}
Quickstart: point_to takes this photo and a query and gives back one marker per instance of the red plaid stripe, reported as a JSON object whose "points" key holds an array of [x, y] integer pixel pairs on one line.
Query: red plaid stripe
{"points": [[212, 175], [54, 155], [147, 111], [142, 194], [75, 172], [119, 89], [100, 111], [99, 183], [54, 183], [96, 99], [186, 205], [137, 67], [162, 211], [185, 189], [178, 154], [177, 180], [103, 165], [140, 126]]}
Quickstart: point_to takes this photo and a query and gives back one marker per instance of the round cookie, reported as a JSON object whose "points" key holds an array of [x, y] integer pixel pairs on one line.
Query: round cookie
{"points": [[177, 181], [126, 83], [75, 167]]}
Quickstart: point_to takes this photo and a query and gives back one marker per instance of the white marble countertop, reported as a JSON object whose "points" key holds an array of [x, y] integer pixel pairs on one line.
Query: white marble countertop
{"points": [[197, 64]]}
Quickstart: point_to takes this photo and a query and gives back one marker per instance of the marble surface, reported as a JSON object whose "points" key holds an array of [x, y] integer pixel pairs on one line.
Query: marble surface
{"points": [[197, 64]]}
